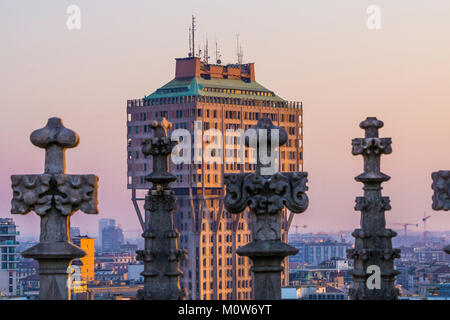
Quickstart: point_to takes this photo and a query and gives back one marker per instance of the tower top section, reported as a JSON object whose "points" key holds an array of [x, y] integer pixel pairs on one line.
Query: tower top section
{"points": [[194, 67]]}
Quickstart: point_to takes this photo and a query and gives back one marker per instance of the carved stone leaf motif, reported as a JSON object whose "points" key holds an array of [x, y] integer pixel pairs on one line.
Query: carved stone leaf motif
{"points": [[76, 192], [236, 195], [363, 204], [371, 146], [154, 201], [266, 194], [69, 193], [441, 188], [297, 200], [29, 193], [158, 146]]}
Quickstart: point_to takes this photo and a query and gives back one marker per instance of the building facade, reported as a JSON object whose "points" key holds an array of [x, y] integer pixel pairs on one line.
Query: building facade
{"points": [[9, 284], [202, 97], [86, 263], [112, 239], [103, 224], [315, 253]]}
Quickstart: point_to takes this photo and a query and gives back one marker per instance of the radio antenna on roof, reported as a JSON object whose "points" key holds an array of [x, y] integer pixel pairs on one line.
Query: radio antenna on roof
{"points": [[218, 55], [239, 51], [205, 52], [190, 42], [192, 37]]}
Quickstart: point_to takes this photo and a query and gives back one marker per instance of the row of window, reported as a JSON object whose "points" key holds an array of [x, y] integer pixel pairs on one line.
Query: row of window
{"points": [[194, 99], [172, 90], [229, 114], [239, 91]]}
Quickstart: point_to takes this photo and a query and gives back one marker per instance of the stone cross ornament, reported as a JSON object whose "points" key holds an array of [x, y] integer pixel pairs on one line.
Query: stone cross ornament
{"points": [[54, 196], [266, 196], [373, 255], [161, 255], [441, 195]]}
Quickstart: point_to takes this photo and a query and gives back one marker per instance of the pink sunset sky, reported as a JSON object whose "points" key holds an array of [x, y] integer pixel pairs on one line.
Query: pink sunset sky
{"points": [[317, 52]]}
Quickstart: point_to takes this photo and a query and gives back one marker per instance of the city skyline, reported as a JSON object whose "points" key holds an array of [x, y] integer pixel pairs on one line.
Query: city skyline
{"points": [[383, 73]]}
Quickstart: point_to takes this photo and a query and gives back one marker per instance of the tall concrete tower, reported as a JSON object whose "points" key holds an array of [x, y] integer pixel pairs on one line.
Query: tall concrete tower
{"points": [[211, 96]]}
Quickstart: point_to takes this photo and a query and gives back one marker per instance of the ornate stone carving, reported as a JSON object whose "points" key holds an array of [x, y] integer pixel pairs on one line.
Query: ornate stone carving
{"points": [[161, 255], [266, 197], [373, 242], [441, 195], [441, 188], [54, 196]]}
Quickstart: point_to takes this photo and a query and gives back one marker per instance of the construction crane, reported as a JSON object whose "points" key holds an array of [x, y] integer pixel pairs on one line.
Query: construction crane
{"points": [[405, 228], [296, 228], [424, 219]]}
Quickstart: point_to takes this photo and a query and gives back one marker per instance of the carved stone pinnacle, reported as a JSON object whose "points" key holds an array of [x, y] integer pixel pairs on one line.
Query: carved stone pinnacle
{"points": [[54, 196], [161, 255], [266, 197], [373, 242]]}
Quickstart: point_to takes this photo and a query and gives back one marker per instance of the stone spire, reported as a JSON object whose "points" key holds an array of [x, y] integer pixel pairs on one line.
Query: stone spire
{"points": [[54, 196], [161, 255], [266, 196], [373, 254], [441, 195]]}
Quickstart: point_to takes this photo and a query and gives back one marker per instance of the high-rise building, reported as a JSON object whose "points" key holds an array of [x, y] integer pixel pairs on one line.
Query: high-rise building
{"points": [[112, 238], [206, 96], [9, 258], [102, 224]]}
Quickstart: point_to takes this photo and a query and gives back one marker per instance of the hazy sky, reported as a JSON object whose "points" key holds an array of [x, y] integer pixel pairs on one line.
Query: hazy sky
{"points": [[318, 52]]}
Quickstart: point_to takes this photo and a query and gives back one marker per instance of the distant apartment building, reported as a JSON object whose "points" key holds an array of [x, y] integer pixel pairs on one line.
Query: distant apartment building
{"points": [[75, 232], [103, 224], [313, 292], [439, 291], [428, 255], [9, 284], [205, 96], [128, 247], [315, 253], [134, 272], [113, 266], [112, 239]]}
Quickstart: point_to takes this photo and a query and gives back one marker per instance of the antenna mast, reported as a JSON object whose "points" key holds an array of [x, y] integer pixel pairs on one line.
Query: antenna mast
{"points": [[218, 55], [193, 35], [190, 42], [205, 52], [239, 52]]}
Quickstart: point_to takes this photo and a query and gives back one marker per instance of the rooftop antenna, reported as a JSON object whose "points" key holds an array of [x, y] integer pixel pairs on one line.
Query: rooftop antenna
{"points": [[218, 55], [205, 52], [190, 42], [239, 52], [193, 35]]}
